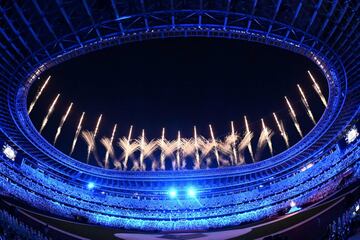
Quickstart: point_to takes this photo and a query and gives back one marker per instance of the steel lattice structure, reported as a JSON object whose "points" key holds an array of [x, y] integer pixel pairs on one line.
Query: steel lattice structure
{"points": [[36, 35]]}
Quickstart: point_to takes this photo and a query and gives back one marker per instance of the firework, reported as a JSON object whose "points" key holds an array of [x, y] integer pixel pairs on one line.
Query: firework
{"points": [[62, 122], [127, 147], [268, 133], [161, 144], [260, 144], [178, 147], [245, 142], [167, 148], [249, 145], [293, 117], [146, 148], [196, 145], [306, 104], [50, 111], [78, 130], [281, 128], [38, 94], [108, 144], [234, 138], [214, 144], [317, 89], [95, 134], [89, 138]]}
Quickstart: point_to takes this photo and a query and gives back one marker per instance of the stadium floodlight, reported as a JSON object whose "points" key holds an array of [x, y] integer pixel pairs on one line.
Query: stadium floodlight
{"points": [[9, 152], [90, 185], [351, 135], [172, 193], [191, 192]]}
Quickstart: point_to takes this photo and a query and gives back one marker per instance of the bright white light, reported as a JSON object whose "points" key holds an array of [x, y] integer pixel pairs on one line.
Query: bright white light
{"points": [[9, 152], [173, 193], [292, 204], [191, 192], [351, 135], [357, 208], [90, 185]]}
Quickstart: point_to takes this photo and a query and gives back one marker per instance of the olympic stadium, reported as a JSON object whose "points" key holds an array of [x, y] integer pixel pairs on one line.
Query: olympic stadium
{"points": [[226, 191]]}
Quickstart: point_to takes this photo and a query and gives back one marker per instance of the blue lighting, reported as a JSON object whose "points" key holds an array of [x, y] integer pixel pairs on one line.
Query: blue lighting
{"points": [[90, 185], [191, 192], [172, 193]]}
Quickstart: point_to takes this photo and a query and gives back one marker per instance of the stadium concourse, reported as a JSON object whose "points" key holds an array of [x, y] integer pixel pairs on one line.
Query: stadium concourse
{"points": [[47, 194]]}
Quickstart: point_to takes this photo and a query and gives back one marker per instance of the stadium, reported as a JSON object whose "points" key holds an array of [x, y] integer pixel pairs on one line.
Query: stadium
{"points": [[48, 194]]}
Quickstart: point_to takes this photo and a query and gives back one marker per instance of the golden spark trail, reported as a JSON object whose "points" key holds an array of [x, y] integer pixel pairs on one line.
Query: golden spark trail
{"points": [[234, 139], [306, 104], [78, 130], [38, 94], [127, 147], [249, 145], [293, 117], [281, 128], [196, 144], [268, 133], [167, 148], [162, 156], [97, 126], [178, 150], [109, 149], [95, 134], [50, 111], [214, 145], [63, 120], [142, 146], [128, 142], [317, 89], [243, 144], [146, 149], [89, 138]]}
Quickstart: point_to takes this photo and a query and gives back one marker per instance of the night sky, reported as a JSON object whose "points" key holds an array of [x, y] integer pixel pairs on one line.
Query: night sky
{"points": [[176, 84]]}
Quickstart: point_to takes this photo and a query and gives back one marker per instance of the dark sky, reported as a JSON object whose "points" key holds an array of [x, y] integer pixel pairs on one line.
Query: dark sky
{"points": [[178, 83]]}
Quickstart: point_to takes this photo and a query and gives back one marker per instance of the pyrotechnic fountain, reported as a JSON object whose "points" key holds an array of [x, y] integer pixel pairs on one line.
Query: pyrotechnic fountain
{"points": [[229, 151], [317, 89], [62, 122], [50, 111], [293, 117], [38, 94], [306, 104]]}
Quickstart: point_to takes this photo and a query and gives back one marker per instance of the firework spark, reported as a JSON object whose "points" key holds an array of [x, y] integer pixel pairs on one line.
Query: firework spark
{"points": [[293, 117], [162, 145], [233, 139], [128, 147], [317, 89], [245, 142], [62, 122], [50, 111], [281, 128], [247, 132], [214, 144], [167, 148], [95, 134], [269, 134], [38, 94], [178, 147], [261, 143], [89, 138], [108, 144], [146, 148], [306, 104], [196, 145], [78, 130]]}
